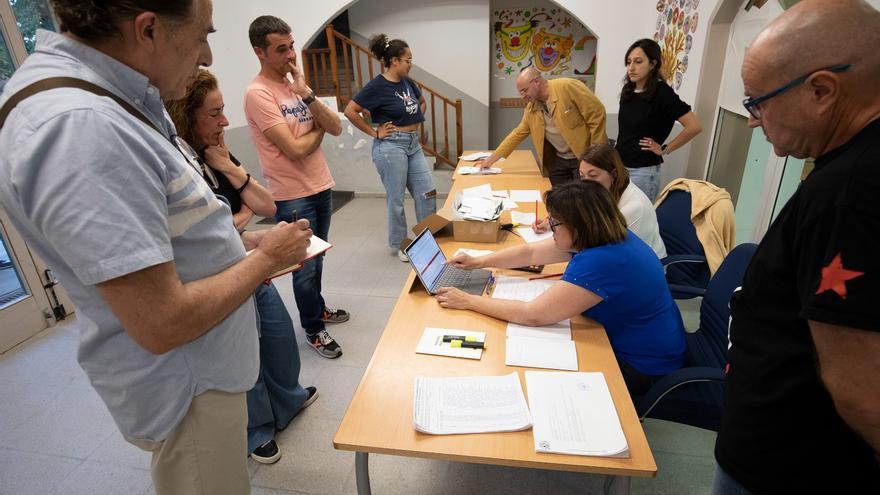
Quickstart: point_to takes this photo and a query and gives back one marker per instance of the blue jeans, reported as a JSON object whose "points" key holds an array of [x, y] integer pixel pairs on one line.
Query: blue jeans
{"points": [[647, 179], [724, 484], [277, 396], [402, 166], [317, 209]]}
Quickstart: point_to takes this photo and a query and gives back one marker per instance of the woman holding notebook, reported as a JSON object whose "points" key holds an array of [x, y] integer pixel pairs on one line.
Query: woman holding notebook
{"points": [[612, 277], [277, 395]]}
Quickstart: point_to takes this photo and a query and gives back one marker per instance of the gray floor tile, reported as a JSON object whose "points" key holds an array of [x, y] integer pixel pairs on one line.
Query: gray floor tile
{"points": [[73, 426], [309, 463], [25, 473], [92, 477], [115, 450]]}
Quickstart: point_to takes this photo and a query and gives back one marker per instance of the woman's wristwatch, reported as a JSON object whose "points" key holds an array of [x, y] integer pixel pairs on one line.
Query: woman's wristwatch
{"points": [[663, 148], [308, 100]]}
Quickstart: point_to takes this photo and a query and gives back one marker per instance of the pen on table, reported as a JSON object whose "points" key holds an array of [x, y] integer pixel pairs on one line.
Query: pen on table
{"points": [[549, 275], [466, 338], [536, 210]]}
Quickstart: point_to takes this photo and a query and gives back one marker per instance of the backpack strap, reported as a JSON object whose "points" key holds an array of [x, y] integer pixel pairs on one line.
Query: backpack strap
{"points": [[69, 82]]}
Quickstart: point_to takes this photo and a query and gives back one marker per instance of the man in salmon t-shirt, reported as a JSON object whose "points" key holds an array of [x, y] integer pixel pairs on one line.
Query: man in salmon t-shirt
{"points": [[287, 126]]}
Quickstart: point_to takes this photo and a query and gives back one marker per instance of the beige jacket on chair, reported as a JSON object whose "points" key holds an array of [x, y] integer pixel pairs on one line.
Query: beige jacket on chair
{"points": [[712, 215]]}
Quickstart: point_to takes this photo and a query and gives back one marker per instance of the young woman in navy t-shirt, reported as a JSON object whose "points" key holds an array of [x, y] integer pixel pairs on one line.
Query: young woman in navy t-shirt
{"points": [[396, 107], [612, 277]]}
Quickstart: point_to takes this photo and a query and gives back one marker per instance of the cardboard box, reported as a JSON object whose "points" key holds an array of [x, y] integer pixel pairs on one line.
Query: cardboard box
{"points": [[462, 230]]}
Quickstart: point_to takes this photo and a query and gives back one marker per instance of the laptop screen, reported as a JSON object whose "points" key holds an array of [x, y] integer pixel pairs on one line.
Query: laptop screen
{"points": [[426, 258]]}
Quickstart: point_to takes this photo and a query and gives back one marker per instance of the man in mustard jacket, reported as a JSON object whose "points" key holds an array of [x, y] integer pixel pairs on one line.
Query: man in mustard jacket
{"points": [[563, 117]]}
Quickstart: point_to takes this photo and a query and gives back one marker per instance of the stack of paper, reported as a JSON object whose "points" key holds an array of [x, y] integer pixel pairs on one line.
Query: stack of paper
{"points": [[469, 404], [574, 414], [479, 155], [432, 343], [478, 208], [479, 171], [549, 346]]}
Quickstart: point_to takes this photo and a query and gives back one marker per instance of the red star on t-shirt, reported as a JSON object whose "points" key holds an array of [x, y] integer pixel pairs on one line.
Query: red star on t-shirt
{"points": [[834, 277]]}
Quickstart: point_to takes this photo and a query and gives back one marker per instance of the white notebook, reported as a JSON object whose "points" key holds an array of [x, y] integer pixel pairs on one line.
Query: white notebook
{"points": [[573, 413], [432, 343]]}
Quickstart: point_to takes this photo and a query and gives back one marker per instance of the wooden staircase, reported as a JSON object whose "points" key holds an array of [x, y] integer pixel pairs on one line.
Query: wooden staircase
{"points": [[341, 69]]}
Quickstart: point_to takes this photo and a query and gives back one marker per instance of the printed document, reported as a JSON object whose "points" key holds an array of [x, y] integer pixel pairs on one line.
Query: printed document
{"points": [[469, 404], [574, 414]]}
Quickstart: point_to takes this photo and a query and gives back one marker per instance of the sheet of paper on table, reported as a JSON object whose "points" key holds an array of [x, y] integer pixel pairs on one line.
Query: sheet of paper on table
{"points": [[574, 414], [469, 404]]}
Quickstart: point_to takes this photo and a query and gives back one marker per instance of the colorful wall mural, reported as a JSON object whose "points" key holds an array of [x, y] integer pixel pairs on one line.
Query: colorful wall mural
{"points": [[548, 38], [676, 24]]}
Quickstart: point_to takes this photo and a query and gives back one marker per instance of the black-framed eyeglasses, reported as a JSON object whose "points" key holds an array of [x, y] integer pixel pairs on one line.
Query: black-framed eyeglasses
{"points": [[195, 162], [553, 224], [751, 104]]}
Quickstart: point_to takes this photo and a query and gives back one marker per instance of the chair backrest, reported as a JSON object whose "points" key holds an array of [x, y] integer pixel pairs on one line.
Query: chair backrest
{"points": [[680, 237], [715, 308]]}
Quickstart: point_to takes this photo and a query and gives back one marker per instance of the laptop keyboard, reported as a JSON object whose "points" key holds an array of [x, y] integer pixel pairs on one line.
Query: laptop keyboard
{"points": [[452, 277]]}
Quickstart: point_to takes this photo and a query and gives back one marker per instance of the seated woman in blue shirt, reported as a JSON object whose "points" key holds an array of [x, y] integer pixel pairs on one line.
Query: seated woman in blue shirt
{"points": [[612, 277]]}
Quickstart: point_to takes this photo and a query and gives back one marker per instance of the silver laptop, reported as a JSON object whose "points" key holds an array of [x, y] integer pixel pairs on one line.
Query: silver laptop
{"points": [[428, 261]]}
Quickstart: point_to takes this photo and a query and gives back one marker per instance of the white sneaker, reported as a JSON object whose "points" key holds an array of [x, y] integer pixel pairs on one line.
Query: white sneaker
{"points": [[402, 256]]}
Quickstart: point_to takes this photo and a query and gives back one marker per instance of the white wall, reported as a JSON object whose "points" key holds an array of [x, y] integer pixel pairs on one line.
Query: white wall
{"points": [[447, 37]]}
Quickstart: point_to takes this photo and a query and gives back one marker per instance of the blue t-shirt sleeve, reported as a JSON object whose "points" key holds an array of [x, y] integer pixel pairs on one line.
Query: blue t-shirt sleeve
{"points": [[588, 269]]}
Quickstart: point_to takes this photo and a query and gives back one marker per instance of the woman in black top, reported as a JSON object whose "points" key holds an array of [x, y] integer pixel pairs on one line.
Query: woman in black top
{"points": [[648, 110]]}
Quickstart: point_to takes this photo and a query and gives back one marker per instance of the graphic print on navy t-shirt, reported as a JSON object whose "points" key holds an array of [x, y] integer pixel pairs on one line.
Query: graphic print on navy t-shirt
{"points": [[300, 111], [409, 103]]}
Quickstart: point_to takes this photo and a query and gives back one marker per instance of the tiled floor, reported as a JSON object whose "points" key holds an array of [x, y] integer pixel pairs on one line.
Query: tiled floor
{"points": [[56, 436]]}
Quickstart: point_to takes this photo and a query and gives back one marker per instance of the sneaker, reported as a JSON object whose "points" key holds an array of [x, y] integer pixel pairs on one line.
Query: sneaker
{"points": [[334, 315], [313, 395], [324, 345], [267, 453], [402, 256]]}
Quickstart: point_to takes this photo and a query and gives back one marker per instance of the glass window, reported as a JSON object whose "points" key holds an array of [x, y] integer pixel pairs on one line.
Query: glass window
{"points": [[30, 15], [7, 64], [11, 287]]}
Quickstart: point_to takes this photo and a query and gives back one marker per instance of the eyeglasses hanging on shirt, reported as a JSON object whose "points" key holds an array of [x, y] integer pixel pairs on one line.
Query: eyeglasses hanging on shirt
{"points": [[195, 162]]}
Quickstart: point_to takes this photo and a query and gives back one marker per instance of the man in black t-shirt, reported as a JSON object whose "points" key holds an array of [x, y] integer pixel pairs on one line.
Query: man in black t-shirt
{"points": [[802, 394]]}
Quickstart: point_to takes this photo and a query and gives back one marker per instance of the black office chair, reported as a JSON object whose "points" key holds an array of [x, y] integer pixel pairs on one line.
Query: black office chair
{"points": [[692, 394], [687, 271]]}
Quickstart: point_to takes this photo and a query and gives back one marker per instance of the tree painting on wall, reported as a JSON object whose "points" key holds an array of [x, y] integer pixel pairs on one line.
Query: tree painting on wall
{"points": [[676, 25], [546, 38]]}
